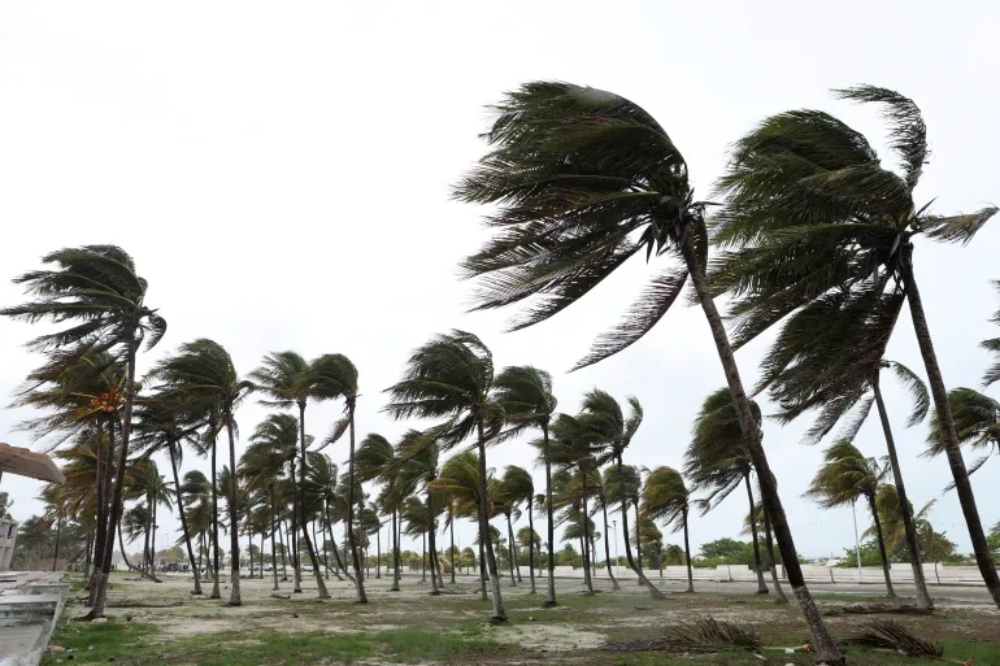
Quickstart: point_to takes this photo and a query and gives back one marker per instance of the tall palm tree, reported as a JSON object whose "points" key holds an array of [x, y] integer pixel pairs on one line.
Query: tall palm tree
{"points": [[977, 421], [289, 381], [602, 498], [451, 378], [717, 462], [525, 394], [518, 488], [337, 378], [584, 180], [812, 213], [97, 289], [202, 375], [845, 477], [665, 497], [419, 456], [376, 461], [604, 416], [163, 424]]}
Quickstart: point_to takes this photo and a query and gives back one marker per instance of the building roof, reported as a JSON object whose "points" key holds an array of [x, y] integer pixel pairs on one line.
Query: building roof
{"points": [[23, 462]]}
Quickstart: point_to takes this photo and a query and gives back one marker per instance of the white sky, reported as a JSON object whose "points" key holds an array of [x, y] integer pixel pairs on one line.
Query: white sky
{"points": [[280, 172]]}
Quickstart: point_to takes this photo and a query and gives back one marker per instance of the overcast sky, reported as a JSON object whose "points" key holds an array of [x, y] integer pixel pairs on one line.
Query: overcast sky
{"points": [[280, 173]]}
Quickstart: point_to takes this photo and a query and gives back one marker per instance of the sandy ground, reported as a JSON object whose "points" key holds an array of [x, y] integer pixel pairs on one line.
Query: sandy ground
{"points": [[171, 607]]}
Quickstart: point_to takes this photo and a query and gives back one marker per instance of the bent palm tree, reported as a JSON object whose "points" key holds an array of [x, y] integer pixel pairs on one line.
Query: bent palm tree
{"points": [[814, 215], [97, 289], [666, 498], [517, 488], [377, 461], [578, 174], [604, 416], [525, 394], [289, 381], [202, 375], [337, 378], [845, 476], [451, 378], [717, 462]]}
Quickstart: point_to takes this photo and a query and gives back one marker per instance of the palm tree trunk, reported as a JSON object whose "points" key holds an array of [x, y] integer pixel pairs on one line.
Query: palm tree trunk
{"points": [[216, 590], [638, 540], [513, 552], [687, 554], [826, 649], [304, 469], [234, 537], [431, 529], [423, 557], [656, 594], [924, 600], [395, 555], [103, 469], [482, 569], [550, 527], [293, 544], [607, 549], [184, 525], [284, 552], [510, 549], [587, 579], [499, 613], [984, 558], [378, 551], [87, 558], [778, 592], [761, 585], [881, 546], [358, 575], [55, 554], [274, 553], [333, 543], [116, 501], [531, 543], [451, 531]]}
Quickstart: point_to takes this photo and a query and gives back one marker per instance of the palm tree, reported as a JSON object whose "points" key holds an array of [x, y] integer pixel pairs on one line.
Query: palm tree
{"points": [[845, 477], [717, 461], [290, 381], [604, 416], [525, 394], [666, 498], [574, 449], [419, 454], [977, 421], [163, 425], [97, 288], [202, 375], [602, 498], [576, 175], [376, 461], [451, 378], [812, 213], [517, 488], [271, 452], [337, 378], [829, 356], [459, 481]]}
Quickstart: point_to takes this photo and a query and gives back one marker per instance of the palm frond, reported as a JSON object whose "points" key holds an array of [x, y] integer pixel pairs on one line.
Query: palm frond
{"points": [[893, 636], [957, 228], [709, 633], [907, 129]]}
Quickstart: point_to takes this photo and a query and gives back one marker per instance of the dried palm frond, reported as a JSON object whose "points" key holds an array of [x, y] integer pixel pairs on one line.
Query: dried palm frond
{"points": [[891, 635], [872, 609], [708, 632]]}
